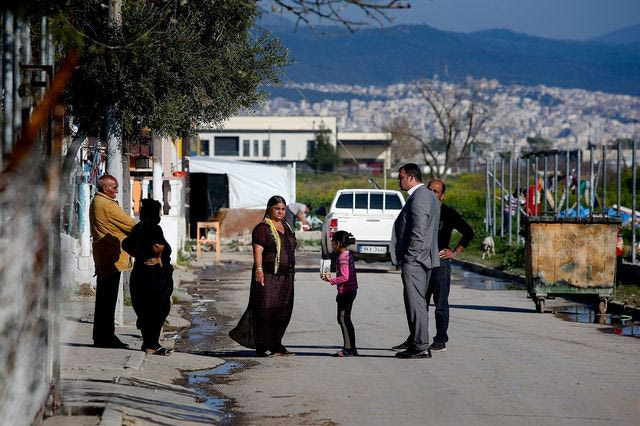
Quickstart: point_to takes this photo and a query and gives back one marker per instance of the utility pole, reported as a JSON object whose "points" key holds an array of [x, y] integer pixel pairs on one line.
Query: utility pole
{"points": [[114, 142], [157, 167], [114, 153]]}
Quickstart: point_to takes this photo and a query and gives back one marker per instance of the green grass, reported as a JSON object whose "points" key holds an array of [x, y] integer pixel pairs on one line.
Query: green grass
{"points": [[189, 245], [628, 294], [184, 258], [309, 243]]}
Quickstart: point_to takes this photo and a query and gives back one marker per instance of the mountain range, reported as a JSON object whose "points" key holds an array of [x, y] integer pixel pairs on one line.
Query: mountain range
{"points": [[404, 53]]}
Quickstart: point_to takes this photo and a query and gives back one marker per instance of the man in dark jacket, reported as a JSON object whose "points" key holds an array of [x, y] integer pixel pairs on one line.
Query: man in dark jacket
{"points": [[441, 277]]}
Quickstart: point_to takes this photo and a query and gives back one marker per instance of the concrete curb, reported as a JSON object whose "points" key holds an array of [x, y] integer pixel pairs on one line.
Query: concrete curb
{"points": [[621, 308], [490, 272], [614, 305], [629, 273], [135, 361], [110, 417]]}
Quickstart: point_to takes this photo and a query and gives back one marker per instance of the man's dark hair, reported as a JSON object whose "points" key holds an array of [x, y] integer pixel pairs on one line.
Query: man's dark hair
{"points": [[309, 206], [412, 169]]}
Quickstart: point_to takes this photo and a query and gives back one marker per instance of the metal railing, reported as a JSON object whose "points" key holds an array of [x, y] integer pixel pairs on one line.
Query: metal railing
{"points": [[554, 179]]}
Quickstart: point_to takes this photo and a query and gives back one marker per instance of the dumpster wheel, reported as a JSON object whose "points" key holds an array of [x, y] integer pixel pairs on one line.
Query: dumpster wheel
{"points": [[539, 305]]}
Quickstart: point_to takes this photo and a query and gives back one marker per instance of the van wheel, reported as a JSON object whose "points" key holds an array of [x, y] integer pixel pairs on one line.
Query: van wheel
{"points": [[325, 252]]}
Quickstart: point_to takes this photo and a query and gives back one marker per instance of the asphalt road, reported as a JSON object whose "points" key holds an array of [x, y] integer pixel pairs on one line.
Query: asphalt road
{"points": [[505, 364]]}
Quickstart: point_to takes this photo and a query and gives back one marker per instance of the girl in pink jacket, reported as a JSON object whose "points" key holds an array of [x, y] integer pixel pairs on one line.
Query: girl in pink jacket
{"points": [[347, 285]]}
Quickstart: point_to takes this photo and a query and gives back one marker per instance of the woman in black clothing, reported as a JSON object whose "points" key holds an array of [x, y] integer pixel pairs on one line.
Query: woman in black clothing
{"points": [[271, 296], [151, 281]]}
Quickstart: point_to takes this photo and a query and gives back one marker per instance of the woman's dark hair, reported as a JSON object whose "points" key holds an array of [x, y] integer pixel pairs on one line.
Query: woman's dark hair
{"points": [[343, 238], [150, 211], [276, 199]]}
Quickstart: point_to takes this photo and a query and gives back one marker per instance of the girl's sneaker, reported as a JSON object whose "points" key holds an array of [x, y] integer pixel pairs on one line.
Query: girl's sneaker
{"points": [[345, 353]]}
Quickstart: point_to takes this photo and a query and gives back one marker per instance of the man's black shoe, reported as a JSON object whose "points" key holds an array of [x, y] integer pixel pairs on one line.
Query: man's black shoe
{"points": [[437, 347], [414, 354], [402, 346], [111, 344]]}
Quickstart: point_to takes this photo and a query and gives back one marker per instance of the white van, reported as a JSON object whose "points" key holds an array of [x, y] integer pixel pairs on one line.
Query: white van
{"points": [[368, 214]]}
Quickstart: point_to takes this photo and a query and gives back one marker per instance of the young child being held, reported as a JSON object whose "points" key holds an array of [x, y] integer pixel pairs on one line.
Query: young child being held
{"points": [[347, 285]]}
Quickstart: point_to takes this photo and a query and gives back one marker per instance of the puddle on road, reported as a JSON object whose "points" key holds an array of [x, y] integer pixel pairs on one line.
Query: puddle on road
{"points": [[201, 337], [199, 381], [619, 324], [201, 327], [480, 282]]}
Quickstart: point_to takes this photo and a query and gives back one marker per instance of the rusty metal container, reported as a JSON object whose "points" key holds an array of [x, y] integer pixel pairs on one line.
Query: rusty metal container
{"points": [[571, 256]]}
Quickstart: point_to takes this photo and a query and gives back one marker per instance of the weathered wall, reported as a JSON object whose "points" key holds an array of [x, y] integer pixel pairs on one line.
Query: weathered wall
{"points": [[27, 295]]}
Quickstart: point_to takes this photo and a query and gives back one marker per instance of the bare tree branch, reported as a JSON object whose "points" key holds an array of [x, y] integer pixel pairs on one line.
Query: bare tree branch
{"points": [[334, 10], [460, 117]]}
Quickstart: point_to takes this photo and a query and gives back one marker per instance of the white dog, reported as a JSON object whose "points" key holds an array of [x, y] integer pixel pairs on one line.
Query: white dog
{"points": [[488, 247]]}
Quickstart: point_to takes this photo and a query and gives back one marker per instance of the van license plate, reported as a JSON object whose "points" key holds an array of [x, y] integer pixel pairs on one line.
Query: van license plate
{"points": [[373, 249]]}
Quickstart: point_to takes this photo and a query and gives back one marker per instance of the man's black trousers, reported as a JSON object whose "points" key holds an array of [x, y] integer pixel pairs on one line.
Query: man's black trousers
{"points": [[439, 288]]}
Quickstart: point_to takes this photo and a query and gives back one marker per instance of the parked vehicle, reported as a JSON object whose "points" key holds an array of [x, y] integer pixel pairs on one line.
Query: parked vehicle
{"points": [[369, 215]]}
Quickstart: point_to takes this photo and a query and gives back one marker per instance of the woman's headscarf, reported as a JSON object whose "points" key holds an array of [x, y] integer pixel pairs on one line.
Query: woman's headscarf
{"points": [[276, 199]]}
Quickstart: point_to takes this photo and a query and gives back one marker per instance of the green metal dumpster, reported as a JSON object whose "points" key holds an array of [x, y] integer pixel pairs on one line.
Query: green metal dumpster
{"points": [[568, 256]]}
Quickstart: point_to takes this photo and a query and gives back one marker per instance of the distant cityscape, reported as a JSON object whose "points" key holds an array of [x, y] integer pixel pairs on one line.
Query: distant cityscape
{"points": [[571, 118]]}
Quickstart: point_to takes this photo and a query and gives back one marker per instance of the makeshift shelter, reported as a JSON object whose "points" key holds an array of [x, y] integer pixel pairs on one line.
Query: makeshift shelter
{"points": [[216, 184]]}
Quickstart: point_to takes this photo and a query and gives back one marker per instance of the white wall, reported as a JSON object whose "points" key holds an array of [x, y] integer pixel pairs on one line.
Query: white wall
{"points": [[174, 229], [295, 131]]}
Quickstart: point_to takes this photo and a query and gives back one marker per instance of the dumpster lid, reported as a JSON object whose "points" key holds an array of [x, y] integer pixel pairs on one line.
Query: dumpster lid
{"points": [[586, 220]]}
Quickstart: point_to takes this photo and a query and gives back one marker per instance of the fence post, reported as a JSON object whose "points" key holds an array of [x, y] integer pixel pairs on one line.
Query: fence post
{"points": [[578, 185], [618, 179], [555, 183], [567, 184], [502, 196], [545, 183], [509, 197], [535, 186], [487, 205], [527, 182], [633, 201], [518, 200], [494, 223], [604, 178], [592, 185]]}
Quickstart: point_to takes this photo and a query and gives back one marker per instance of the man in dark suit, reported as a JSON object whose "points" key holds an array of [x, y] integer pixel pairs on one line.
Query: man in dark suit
{"points": [[414, 246]]}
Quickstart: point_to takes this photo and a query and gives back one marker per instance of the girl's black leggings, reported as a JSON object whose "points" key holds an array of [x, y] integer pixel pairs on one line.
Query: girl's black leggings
{"points": [[345, 303]]}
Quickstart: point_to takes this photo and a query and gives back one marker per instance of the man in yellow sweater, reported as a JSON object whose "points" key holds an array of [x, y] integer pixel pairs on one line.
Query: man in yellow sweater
{"points": [[109, 226]]}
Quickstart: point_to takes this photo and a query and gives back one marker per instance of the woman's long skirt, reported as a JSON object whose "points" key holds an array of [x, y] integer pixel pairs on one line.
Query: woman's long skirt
{"points": [[151, 288], [268, 314]]}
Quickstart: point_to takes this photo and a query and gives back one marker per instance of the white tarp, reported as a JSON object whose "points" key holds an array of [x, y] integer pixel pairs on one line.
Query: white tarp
{"points": [[250, 184]]}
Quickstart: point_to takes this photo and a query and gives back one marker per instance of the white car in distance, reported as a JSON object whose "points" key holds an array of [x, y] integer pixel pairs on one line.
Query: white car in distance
{"points": [[369, 215]]}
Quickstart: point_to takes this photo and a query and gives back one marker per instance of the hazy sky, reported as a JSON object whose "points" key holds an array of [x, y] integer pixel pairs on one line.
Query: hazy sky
{"points": [[566, 19]]}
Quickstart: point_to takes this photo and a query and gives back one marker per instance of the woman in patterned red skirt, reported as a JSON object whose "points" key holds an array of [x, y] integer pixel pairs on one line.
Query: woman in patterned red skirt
{"points": [[271, 296]]}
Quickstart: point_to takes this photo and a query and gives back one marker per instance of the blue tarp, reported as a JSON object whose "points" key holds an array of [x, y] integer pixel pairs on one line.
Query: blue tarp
{"points": [[584, 212]]}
